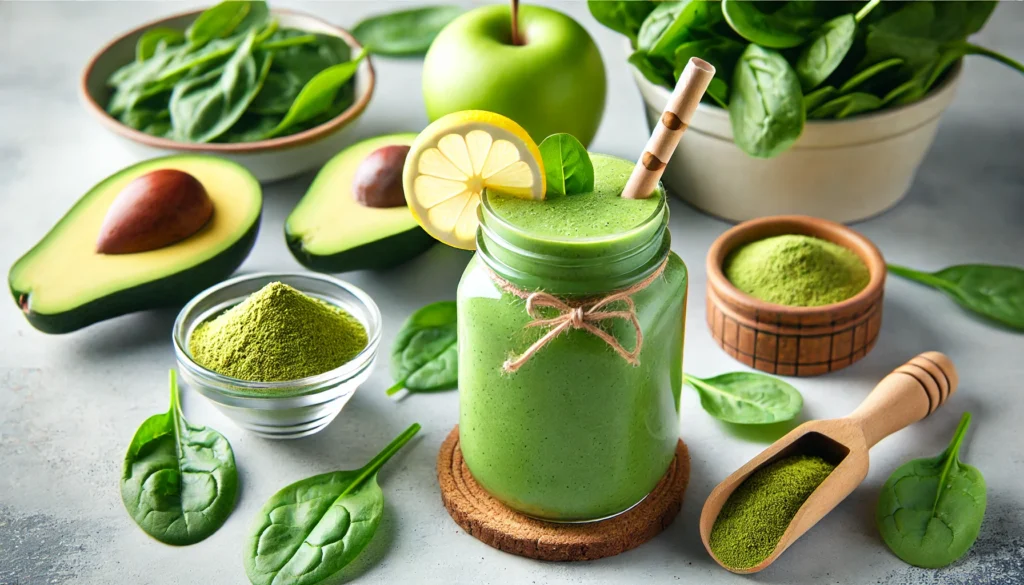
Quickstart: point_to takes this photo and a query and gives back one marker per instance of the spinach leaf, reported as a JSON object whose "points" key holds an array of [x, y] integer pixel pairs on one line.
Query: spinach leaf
{"points": [[651, 71], [298, 58], [868, 73], [406, 32], [819, 97], [206, 106], [766, 107], [747, 398], [218, 21], [318, 95], [930, 510], [695, 20], [250, 128], [656, 23], [310, 530], [994, 292], [622, 16], [155, 38], [846, 105], [777, 30], [179, 481], [567, 166], [828, 47], [722, 52], [425, 355]]}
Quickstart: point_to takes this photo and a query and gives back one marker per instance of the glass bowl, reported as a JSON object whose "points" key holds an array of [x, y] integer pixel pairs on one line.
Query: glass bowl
{"points": [[279, 410]]}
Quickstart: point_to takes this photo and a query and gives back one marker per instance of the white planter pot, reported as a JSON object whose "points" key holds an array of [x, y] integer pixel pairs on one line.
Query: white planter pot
{"points": [[841, 170]]}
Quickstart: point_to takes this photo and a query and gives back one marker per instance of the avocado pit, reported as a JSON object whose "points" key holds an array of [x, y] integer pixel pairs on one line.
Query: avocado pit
{"points": [[378, 179], [153, 211]]}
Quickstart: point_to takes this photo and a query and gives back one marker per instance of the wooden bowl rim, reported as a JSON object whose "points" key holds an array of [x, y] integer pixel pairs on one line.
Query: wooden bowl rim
{"points": [[798, 225], [292, 140]]}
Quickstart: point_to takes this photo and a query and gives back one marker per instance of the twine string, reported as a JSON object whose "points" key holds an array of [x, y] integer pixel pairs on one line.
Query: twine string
{"points": [[585, 316]]}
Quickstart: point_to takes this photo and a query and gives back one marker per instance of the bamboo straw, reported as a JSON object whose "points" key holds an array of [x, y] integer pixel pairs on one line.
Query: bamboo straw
{"points": [[681, 104]]}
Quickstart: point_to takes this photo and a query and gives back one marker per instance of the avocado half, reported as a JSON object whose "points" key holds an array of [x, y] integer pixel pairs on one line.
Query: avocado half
{"points": [[63, 284], [330, 231]]}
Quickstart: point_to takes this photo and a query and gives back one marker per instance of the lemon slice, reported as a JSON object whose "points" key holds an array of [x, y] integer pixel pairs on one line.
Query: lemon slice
{"points": [[458, 156]]}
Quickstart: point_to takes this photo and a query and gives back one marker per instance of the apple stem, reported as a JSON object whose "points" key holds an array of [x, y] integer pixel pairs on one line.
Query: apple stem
{"points": [[515, 22]]}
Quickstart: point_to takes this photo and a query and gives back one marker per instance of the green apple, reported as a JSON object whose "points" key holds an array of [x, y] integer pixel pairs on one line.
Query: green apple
{"points": [[552, 82]]}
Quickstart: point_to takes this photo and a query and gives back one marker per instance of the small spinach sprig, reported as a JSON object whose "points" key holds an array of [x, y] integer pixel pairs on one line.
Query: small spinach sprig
{"points": [[312, 529], [232, 76], [425, 357], [179, 480], [849, 57], [405, 33], [994, 292], [930, 510], [747, 398]]}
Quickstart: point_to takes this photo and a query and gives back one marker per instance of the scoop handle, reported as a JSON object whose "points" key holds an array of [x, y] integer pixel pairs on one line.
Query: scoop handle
{"points": [[907, 395]]}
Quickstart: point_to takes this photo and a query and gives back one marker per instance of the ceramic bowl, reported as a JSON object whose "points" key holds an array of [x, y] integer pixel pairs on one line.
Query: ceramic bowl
{"points": [[269, 160], [279, 410], [794, 341], [841, 170]]}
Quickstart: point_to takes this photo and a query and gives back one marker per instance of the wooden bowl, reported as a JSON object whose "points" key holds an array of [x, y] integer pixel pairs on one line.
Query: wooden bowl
{"points": [[269, 160], [794, 341]]}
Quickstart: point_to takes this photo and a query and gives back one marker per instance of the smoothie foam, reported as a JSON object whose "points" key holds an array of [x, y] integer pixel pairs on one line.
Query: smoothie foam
{"points": [[585, 215]]}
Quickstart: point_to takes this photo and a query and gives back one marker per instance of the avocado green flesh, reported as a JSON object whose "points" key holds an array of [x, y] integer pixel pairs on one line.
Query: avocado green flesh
{"points": [[332, 232], [63, 284]]}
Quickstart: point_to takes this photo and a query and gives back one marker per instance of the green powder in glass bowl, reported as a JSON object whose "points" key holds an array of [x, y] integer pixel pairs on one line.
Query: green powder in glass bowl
{"points": [[277, 334], [797, 271]]}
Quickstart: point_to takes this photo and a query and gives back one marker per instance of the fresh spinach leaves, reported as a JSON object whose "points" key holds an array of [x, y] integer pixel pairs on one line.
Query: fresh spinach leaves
{"points": [[425, 355], [930, 509], [179, 481], [204, 107], [747, 398], [854, 57], [317, 95], [309, 531], [766, 107], [775, 30], [232, 76], [406, 32], [622, 16], [994, 292], [567, 166]]}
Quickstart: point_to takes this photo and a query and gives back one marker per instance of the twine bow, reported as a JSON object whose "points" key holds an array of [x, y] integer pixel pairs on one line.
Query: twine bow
{"points": [[583, 316]]}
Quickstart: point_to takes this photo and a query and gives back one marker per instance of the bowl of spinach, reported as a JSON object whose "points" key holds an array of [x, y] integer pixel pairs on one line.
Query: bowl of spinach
{"points": [[274, 90], [817, 108]]}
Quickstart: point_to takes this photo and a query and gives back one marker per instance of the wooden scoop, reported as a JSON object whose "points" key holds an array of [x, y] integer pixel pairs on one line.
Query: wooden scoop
{"points": [[907, 395]]}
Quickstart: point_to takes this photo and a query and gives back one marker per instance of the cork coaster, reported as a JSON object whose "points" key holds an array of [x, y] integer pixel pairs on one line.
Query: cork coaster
{"points": [[497, 525]]}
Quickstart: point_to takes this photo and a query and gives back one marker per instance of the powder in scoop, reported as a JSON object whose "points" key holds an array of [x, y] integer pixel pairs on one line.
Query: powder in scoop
{"points": [[277, 334], [756, 515], [796, 270]]}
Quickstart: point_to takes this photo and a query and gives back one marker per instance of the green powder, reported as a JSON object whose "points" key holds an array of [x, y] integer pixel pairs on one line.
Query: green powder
{"points": [[798, 271], [277, 334], [754, 517]]}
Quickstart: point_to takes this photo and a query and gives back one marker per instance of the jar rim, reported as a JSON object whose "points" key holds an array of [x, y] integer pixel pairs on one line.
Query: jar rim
{"points": [[491, 214]]}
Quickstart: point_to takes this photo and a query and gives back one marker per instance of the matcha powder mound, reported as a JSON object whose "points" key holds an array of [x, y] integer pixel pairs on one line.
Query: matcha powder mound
{"points": [[755, 516], [798, 271], [277, 334]]}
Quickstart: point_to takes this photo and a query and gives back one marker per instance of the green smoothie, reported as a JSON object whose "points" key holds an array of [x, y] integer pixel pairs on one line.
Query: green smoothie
{"points": [[577, 433], [590, 215]]}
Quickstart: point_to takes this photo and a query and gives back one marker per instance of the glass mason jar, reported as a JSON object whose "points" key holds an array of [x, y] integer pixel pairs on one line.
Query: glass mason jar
{"points": [[577, 433]]}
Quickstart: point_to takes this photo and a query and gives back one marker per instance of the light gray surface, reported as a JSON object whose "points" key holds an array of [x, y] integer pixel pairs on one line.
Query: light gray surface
{"points": [[69, 404]]}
